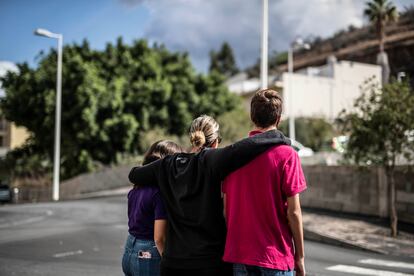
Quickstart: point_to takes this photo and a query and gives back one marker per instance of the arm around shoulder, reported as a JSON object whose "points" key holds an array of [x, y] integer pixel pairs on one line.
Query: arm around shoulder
{"points": [[145, 175], [228, 159]]}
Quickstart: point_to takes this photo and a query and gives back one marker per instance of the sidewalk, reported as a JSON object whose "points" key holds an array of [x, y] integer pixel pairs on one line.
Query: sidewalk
{"points": [[356, 232]]}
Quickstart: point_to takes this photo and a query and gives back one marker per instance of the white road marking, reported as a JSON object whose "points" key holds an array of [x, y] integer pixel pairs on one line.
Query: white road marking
{"points": [[364, 271], [66, 254], [22, 222], [121, 226], [387, 263], [26, 221]]}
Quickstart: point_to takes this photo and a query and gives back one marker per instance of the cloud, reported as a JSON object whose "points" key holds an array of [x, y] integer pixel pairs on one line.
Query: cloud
{"points": [[6, 66], [197, 26]]}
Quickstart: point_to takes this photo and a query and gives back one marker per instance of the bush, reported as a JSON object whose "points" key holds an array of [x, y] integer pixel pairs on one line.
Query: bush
{"points": [[234, 125], [316, 133]]}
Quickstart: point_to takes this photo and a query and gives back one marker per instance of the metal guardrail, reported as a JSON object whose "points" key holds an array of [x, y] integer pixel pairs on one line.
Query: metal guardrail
{"points": [[31, 195]]}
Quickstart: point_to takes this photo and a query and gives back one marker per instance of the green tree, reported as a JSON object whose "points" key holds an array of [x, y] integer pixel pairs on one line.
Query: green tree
{"points": [[223, 61], [110, 99], [380, 130], [316, 133], [235, 125], [379, 13]]}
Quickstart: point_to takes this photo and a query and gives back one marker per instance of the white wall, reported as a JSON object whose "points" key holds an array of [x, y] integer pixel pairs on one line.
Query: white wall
{"points": [[324, 96], [244, 86]]}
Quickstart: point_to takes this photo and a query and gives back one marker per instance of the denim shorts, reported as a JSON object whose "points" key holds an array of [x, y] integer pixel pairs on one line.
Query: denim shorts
{"points": [[251, 270], [140, 257]]}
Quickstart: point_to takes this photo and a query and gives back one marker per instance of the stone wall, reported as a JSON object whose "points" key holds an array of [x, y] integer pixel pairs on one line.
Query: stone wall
{"points": [[105, 179], [405, 194], [358, 190]]}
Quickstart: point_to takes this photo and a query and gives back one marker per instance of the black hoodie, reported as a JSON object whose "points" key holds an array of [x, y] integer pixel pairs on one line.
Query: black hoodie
{"points": [[190, 185]]}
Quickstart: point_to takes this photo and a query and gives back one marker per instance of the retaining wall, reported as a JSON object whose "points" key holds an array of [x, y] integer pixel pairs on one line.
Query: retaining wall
{"points": [[358, 190]]}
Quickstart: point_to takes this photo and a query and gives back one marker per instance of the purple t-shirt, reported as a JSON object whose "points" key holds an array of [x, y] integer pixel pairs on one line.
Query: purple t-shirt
{"points": [[144, 206]]}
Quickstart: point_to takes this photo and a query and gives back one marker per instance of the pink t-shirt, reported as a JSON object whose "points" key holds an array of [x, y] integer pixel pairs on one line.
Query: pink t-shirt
{"points": [[256, 209]]}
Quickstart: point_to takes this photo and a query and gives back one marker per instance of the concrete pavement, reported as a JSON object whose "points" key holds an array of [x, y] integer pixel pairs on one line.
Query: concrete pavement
{"points": [[327, 260], [86, 237], [363, 233], [82, 237]]}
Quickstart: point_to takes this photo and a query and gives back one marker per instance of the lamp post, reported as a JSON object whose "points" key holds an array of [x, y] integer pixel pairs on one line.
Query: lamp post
{"points": [[295, 45], [56, 159], [401, 76], [265, 41]]}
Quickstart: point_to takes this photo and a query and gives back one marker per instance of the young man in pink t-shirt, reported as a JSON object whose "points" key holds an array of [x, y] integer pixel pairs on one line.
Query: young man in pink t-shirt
{"points": [[264, 219]]}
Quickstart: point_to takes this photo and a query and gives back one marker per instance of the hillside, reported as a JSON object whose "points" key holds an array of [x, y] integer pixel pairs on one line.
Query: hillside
{"points": [[361, 44]]}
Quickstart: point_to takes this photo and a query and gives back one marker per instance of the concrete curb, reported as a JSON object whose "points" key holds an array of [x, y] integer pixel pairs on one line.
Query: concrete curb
{"points": [[323, 238]]}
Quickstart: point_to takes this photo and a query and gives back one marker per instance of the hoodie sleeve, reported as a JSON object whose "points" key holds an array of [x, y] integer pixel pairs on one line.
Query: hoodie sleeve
{"points": [[228, 159], [145, 175]]}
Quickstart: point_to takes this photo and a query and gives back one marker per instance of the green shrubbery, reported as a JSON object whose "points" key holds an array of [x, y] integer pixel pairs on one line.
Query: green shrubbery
{"points": [[111, 100], [316, 133]]}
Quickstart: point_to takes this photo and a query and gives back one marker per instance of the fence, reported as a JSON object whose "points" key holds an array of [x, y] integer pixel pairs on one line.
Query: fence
{"points": [[31, 194]]}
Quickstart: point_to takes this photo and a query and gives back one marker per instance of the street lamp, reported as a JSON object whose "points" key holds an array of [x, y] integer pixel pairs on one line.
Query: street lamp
{"points": [[295, 45], [401, 76], [265, 35], [56, 159]]}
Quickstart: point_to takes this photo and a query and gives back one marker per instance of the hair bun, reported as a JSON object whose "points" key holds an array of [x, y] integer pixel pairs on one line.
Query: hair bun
{"points": [[198, 139]]}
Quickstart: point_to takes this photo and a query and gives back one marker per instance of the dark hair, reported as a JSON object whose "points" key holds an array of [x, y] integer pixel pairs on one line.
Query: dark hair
{"points": [[159, 150], [266, 108]]}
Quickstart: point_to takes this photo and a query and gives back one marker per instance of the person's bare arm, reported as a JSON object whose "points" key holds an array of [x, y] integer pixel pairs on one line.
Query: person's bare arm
{"points": [[294, 215], [160, 228]]}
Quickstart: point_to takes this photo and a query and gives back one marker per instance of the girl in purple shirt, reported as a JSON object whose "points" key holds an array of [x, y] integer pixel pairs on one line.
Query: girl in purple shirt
{"points": [[146, 220]]}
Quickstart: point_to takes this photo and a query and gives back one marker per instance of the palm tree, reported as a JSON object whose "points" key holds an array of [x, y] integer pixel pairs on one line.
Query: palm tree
{"points": [[379, 13]]}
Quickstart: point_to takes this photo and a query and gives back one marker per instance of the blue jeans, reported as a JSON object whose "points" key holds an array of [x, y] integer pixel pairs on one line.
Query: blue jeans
{"points": [[251, 270], [141, 258]]}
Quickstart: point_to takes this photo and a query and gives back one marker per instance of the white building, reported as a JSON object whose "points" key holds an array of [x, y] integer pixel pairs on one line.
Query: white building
{"points": [[325, 91], [316, 91], [240, 84]]}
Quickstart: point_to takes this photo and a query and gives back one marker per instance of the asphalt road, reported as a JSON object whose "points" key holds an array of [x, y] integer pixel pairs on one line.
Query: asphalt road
{"points": [[86, 237]]}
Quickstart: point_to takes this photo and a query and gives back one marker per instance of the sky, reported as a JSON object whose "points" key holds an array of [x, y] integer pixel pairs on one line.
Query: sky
{"points": [[195, 26]]}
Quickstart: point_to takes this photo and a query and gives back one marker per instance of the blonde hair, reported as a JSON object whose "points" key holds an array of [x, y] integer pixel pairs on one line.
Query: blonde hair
{"points": [[204, 131]]}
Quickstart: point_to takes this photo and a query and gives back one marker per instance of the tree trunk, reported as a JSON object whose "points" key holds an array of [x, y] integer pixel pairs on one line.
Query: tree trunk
{"points": [[382, 60], [391, 193], [381, 35]]}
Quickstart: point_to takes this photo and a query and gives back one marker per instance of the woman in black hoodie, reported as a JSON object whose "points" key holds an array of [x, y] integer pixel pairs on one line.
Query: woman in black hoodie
{"points": [[190, 185]]}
